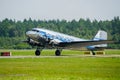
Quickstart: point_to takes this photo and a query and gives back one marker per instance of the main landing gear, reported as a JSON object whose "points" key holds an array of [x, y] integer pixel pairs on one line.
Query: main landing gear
{"points": [[37, 52], [57, 52]]}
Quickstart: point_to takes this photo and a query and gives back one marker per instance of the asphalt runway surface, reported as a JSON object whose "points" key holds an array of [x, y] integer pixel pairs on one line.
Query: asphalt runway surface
{"points": [[62, 56]]}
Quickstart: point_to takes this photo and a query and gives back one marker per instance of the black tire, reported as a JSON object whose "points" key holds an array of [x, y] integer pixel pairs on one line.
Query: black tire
{"points": [[37, 53], [57, 52], [93, 53]]}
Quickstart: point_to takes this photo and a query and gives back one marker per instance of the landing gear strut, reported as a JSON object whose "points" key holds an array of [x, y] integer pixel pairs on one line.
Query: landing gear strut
{"points": [[93, 53], [58, 52]]}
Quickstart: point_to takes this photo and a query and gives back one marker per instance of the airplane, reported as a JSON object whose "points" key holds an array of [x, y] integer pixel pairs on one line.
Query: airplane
{"points": [[44, 38]]}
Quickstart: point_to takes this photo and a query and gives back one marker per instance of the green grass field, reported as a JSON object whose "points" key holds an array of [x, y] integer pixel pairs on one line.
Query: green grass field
{"points": [[59, 68]]}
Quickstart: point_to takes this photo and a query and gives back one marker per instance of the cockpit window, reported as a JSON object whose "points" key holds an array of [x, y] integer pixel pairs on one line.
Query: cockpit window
{"points": [[35, 30]]}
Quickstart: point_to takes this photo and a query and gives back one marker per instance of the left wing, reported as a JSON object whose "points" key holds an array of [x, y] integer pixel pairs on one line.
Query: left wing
{"points": [[83, 43]]}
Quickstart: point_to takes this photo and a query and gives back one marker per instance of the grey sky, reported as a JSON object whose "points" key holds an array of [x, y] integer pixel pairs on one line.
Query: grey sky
{"points": [[59, 9]]}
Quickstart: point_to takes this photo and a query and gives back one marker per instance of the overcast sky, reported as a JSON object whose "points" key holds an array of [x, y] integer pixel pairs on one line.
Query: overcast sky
{"points": [[59, 9]]}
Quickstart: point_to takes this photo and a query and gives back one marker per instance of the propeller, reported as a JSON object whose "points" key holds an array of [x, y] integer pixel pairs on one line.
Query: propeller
{"points": [[30, 42]]}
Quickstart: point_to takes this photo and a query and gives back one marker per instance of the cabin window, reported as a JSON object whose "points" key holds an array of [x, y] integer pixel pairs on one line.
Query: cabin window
{"points": [[35, 30]]}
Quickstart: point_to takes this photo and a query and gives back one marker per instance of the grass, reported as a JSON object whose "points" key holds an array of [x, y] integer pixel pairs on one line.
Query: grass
{"points": [[59, 68]]}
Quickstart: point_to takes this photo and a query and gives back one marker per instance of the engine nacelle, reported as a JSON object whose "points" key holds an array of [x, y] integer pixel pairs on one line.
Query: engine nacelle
{"points": [[54, 42]]}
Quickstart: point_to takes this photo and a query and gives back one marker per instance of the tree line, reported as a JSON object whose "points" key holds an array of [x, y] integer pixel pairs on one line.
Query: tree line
{"points": [[12, 32]]}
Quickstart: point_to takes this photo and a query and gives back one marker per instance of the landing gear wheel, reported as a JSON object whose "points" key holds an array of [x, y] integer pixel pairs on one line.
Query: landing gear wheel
{"points": [[93, 53], [37, 53], [57, 52]]}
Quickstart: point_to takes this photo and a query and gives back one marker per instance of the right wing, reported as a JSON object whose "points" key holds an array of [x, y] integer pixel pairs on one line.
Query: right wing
{"points": [[78, 44]]}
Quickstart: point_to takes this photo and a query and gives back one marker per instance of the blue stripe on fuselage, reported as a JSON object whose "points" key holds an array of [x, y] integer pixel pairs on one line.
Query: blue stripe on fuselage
{"points": [[44, 34]]}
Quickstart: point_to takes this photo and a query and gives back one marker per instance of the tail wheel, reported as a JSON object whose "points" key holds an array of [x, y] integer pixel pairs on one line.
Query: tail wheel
{"points": [[57, 52], [37, 52], [93, 53]]}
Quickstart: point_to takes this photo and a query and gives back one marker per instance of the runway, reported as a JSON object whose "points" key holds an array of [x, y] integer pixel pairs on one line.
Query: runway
{"points": [[63, 56]]}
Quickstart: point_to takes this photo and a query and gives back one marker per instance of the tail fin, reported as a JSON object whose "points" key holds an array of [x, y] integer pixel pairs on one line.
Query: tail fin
{"points": [[101, 35]]}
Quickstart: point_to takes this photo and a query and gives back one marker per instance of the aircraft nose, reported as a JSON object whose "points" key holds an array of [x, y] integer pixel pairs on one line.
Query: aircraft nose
{"points": [[31, 34], [28, 33]]}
